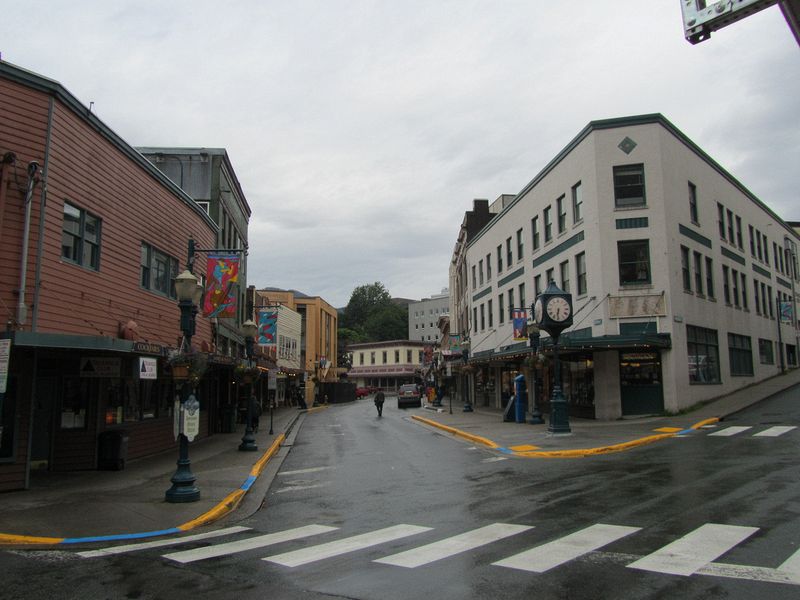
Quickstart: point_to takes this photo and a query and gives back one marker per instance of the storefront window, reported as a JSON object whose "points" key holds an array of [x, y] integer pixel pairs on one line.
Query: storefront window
{"points": [[74, 403], [8, 410]]}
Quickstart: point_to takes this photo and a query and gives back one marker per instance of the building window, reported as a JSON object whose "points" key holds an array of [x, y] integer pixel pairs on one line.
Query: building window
{"points": [[548, 275], [500, 259], [698, 273], [80, 237], [730, 226], [735, 287], [634, 262], [740, 355], [397, 357], [383, 356], [522, 295], [511, 305], [629, 186], [537, 286], [757, 298], [739, 241], [758, 245], [474, 277], [509, 255], [721, 220], [693, 203], [771, 304], [703, 351], [491, 315], [520, 245], [535, 232], [488, 270], [687, 278], [752, 241], [726, 289], [766, 248], [502, 309], [361, 358], [408, 356], [561, 211], [564, 269], [580, 271], [483, 317], [158, 271], [372, 358], [577, 203], [548, 225], [744, 290], [709, 277], [480, 272], [765, 353], [475, 318]]}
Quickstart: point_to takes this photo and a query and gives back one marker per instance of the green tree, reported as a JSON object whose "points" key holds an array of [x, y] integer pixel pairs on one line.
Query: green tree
{"points": [[372, 316], [387, 323]]}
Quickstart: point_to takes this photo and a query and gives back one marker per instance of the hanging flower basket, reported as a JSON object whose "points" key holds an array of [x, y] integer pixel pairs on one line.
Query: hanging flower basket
{"points": [[244, 373], [187, 367]]}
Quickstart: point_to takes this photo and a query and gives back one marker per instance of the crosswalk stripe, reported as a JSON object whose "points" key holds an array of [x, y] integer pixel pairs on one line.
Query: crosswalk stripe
{"points": [[343, 546], [453, 545], [252, 543], [729, 431], [792, 564], [775, 431], [555, 553], [303, 471], [160, 543], [694, 550]]}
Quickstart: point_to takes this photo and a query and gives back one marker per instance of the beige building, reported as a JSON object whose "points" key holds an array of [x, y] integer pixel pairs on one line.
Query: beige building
{"points": [[319, 323], [387, 365], [677, 272]]}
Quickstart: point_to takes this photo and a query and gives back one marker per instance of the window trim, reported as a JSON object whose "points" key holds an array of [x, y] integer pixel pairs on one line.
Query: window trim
{"points": [[621, 202], [81, 245]]}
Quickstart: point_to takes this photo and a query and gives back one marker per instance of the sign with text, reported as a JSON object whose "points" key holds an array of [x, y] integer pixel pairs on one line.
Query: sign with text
{"points": [[5, 357], [100, 366], [148, 368]]}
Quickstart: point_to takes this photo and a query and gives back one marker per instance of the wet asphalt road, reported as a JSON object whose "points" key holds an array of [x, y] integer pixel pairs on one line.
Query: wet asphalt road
{"points": [[359, 474]]}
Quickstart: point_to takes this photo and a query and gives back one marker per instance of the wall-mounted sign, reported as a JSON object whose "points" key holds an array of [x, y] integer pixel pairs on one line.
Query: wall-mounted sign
{"points": [[100, 366], [148, 368]]}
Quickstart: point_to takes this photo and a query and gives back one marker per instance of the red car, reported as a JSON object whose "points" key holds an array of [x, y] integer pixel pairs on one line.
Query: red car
{"points": [[362, 392]]}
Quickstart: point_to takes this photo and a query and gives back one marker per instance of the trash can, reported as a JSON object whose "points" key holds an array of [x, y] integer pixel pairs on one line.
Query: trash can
{"points": [[112, 450]]}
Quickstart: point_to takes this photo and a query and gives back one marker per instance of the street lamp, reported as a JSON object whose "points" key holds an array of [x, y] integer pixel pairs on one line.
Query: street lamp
{"points": [[189, 292], [250, 331], [533, 340]]}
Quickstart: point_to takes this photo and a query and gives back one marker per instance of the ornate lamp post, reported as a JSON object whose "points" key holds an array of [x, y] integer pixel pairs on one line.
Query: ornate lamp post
{"points": [[183, 489], [250, 331], [533, 340], [552, 311]]}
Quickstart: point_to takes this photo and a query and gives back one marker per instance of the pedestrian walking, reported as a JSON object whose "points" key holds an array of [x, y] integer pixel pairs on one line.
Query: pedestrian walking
{"points": [[379, 398]]}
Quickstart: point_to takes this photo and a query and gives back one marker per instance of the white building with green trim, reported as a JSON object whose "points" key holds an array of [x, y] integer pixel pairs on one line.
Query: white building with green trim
{"points": [[678, 275]]}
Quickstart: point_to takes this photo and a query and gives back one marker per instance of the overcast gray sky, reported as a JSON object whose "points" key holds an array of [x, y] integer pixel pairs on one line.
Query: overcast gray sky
{"points": [[362, 130]]}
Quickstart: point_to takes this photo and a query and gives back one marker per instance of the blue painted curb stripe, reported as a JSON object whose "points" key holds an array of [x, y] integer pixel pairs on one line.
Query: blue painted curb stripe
{"points": [[504, 450], [121, 536], [249, 482], [685, 431]]}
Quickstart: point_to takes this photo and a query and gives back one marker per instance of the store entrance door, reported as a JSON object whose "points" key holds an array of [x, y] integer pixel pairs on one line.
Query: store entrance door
{"points": [[641, 384]]}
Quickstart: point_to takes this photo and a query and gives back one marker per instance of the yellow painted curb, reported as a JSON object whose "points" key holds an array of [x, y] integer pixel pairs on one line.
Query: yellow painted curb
{"points": [[704, 423], [8, 539], [468, 436]]}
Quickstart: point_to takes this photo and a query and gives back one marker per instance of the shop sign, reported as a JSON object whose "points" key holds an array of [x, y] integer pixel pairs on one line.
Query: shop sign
{"points": [[148, 368], [148, 348], [5, 355], [191, 418], [100, 366]]}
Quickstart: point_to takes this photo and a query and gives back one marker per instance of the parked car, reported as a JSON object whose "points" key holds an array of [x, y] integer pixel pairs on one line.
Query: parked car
{"points": [[408, 395], [362, 392]]}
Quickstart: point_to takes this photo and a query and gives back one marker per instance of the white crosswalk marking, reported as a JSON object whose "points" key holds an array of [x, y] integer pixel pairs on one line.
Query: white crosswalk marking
{"points": [[555, 553], [252, 543], [351, 544], [775, 431], [695, 550], [729, 431], [453, 545], [160, 543], [792, 564]]}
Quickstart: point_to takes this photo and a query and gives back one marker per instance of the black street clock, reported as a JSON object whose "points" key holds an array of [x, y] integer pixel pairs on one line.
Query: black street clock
{"points": [[552, 310]]}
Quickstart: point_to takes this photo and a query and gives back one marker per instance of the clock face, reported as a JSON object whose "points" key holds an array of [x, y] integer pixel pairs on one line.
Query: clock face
{"points": [[558, 309], [537, 311]]}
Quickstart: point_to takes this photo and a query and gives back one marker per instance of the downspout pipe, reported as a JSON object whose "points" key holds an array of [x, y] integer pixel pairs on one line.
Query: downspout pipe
{"points": [[22, 310], [37, 278]]}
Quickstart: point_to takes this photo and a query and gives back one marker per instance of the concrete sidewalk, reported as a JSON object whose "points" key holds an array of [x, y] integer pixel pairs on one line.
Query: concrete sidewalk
{"points": [[84, 507], [76, 507], [486, 427]]}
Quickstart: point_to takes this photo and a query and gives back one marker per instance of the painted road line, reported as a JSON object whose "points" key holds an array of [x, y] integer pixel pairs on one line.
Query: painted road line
{"points": [[252, 543], [695, 550], [729, 431], [792, 565], [344, 546], [453, 545], [160, 543], [303, 471], [298, 487], [775, 431], [555, 553], [494, 459]]}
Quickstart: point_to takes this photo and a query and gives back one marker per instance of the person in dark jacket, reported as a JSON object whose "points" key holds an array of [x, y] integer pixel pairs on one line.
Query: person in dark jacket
{"points": [[379, 398]]}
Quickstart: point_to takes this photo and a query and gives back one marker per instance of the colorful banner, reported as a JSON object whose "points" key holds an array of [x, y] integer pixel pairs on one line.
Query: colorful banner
{"points": [[519, 316], [222, 278], [267, 327], [786, 312]]}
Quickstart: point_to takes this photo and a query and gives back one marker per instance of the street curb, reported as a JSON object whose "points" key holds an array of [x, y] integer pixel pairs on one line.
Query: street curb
{"points": [[576, 453], [227, 505]]}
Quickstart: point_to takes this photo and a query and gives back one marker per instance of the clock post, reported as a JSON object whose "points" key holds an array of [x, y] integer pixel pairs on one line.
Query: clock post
{"points": [[552, 311]]}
